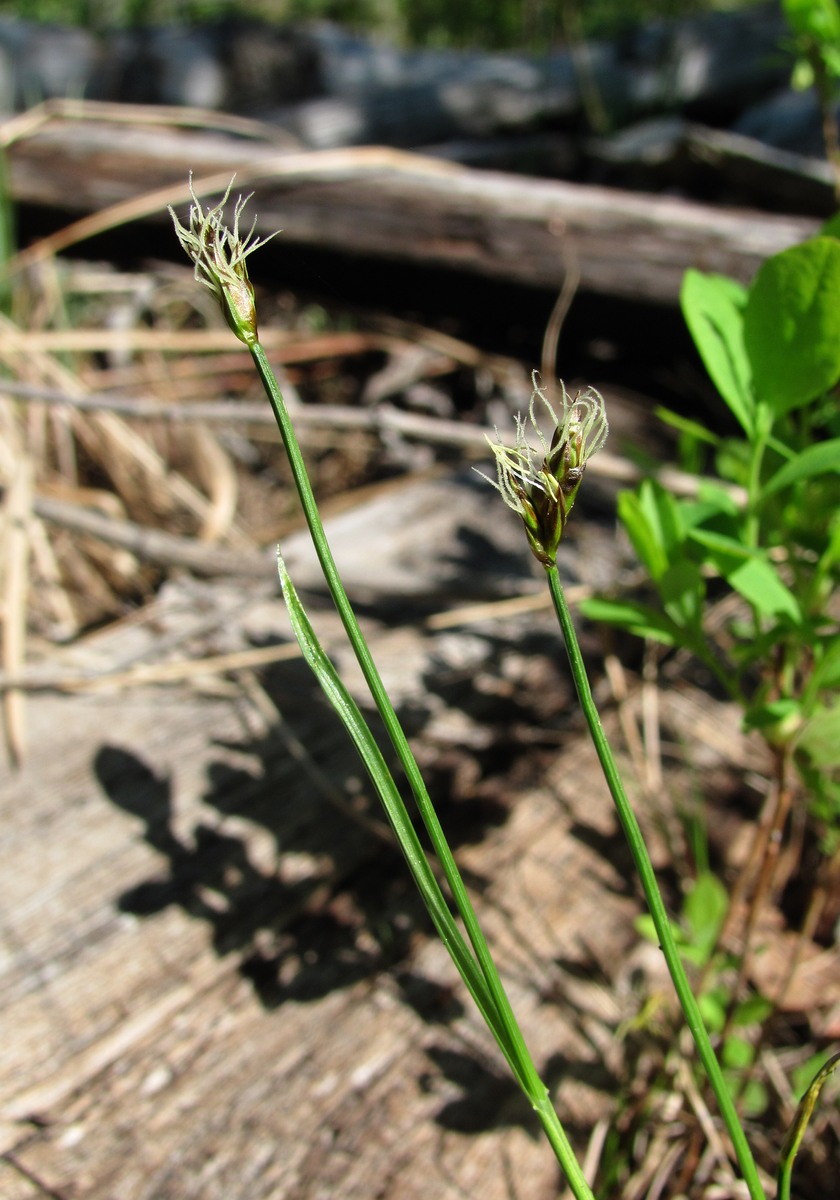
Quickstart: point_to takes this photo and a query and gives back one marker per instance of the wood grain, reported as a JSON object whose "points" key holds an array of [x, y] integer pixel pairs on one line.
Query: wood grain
{"points": [[382, 203]]}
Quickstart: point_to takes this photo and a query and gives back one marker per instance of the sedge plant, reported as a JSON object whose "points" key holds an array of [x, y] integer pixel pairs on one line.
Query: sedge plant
{"points": [[539, 480]]}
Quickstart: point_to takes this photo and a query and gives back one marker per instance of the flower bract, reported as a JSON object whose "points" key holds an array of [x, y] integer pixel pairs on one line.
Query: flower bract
{"points": [[218, 253], [539, 479]]}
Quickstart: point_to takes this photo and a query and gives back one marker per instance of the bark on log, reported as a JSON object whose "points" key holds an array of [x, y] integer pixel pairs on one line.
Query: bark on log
{"points": [[403, 207]]}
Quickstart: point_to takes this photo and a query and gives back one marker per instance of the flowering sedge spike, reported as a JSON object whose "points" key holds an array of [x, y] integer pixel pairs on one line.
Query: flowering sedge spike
{"points": [[219, 254], [540, 485]]}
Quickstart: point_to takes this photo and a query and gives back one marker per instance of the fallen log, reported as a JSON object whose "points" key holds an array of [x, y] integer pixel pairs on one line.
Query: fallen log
{"points": [[375, 202]]}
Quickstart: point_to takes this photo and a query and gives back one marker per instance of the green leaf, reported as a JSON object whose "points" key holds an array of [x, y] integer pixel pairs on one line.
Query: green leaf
{"points": [[683, 591], [713, 1007], [831, 227], [792, 324], [817, 19], [638, 619], [644, 926], [713, 308], [794, 1136], [753, 1098], [685, 425], [717, 498], [738, 1053], [752, 1011], [750, 573], [395, 809], [802, 1074], [815, 460], [664, 515], [819, 738], [704, 910], [643, 533], [778, 721], [827, 664]]}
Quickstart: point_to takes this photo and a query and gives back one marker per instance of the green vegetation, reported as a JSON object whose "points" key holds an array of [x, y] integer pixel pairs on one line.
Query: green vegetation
{"points": [[767, 529], [511, 24], [773, 351]]}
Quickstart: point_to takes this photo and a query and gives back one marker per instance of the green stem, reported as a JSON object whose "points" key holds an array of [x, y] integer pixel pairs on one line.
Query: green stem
{"points": [[502, 1021], [758, 445], [638, 849]]}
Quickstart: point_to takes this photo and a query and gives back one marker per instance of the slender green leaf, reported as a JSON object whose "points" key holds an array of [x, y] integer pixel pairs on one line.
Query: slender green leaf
{"points": [[664, 514], [398, 816], [643, 534], [685, 425], [750, 573], [637, 619], [792, 324], [814, 460], [713, 308], [793, 1139]]}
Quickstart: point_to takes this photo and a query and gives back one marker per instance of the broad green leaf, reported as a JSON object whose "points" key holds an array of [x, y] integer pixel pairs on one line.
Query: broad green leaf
{"points": [[738, 1053], [704, 910], [750, 573], [753, 1098], [817, 19], [792, 324], [713, 308], [714, 1008], [757, 580], [637, 619], [815, 460]]}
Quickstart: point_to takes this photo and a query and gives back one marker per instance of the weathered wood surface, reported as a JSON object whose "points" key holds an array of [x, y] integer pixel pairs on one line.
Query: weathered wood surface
{"points": [[215, 985], [403, 207], [672, 153]]}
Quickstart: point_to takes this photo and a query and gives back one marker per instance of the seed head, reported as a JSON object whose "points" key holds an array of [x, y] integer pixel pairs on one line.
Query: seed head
{"points": [[540, 484], [219, 254]]}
